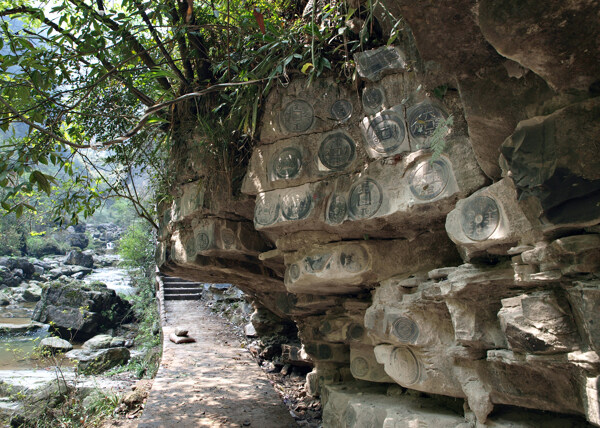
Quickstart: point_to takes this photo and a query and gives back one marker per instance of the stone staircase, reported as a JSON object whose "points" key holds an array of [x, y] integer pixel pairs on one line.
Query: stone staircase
{"points": [[180, 289]]}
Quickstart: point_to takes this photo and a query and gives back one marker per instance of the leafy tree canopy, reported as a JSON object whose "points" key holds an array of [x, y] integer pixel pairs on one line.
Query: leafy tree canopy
{"points": [[107, 85]]}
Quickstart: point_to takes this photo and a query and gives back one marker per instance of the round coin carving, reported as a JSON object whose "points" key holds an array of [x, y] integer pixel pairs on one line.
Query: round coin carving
{"points": [[228, 238], [365, 199], [356, 331], [296, 205], [341, 110], [336, 151], [294, 272], [354, 259], [423, 120], [266, 210], [202, 241], [298, 116], [480, 218], [373, 98], [405, 329], [359, 367], [287, 163], [429, 179], [337, 209], [385, 133], [405, 366]]}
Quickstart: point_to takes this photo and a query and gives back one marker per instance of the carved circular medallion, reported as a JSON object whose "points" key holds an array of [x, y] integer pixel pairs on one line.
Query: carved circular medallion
{"points": [[405, 367], [355, 331], [429, 179], [296, 205], [405, 330], [298, 116], [480, 218], [287, 163], [294, 271], [202, 241], [385, 133], [336, 151], [317, 262], [228, 238], [266, 210], [337, 209], [354, 259], [423, 119], [341, 110], [359, 367], [365, 199], [372, 98], [325, 327]]}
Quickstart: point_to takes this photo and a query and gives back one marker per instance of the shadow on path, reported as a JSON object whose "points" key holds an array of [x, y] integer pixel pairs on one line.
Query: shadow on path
{"points": [[212, 382]]}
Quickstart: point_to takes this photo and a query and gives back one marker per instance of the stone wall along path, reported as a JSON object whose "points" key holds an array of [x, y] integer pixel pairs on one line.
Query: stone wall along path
{"points": [[212, 382]]}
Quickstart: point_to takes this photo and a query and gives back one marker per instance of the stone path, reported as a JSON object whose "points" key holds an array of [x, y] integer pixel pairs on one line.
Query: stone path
{"points": [[210, 383]]}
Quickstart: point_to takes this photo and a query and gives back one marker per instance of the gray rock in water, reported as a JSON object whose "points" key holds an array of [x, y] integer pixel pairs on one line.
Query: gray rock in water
{"points": [[55, 344], [79, 258], [79, 240], [94, 362], [80, 311]]}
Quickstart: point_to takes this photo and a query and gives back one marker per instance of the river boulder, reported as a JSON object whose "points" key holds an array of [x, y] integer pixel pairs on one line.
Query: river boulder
{"points": [[79, 311], [79, 258], [98, 361], [79, 240]]}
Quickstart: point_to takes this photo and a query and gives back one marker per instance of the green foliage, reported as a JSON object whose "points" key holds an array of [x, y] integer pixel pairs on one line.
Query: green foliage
{"points": [[437, 140], [136, 247], [12, 242]]}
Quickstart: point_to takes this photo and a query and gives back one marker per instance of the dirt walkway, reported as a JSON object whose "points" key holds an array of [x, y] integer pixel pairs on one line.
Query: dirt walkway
{"points": [[210, 383]]}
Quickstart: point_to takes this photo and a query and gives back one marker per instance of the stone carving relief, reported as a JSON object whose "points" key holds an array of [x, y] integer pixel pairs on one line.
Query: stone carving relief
{"points": [[337, 151], [341, 110], [297, 116], [385, 133], [373, 64]]}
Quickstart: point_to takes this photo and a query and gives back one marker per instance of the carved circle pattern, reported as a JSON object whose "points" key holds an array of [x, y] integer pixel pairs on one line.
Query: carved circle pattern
{"points": [[202, 241], [341, 110], [287, 163], [359, 367], [266, 210], [386, 133], [298, 116], [423, 120], [405, 366], [406, 330], [296, 205], [294, 272], [337, 151], [480, 218], [429, 179], [354, 259], [365, 199], [373, 98], [356, 331], [228, 237], [337, 209]]}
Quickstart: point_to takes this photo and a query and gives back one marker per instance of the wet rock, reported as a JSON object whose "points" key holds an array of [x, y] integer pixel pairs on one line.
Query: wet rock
{"points": [[7, 278], [100, 341], [79, 258], [95, 362]]}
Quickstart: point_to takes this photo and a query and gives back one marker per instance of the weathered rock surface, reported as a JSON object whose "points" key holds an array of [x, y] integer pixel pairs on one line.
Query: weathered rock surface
{"points": [[79, 258], [358, 204], [98, 361], [79, 311], [55, 344]]}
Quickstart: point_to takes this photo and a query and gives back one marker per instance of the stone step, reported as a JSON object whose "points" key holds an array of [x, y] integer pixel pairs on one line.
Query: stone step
{"points": [[189, 296], [191, 290], [170, 279], [197, 285]]}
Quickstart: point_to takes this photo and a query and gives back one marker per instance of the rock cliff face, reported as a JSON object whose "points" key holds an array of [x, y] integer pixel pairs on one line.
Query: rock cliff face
{"points": [[470, 273]]}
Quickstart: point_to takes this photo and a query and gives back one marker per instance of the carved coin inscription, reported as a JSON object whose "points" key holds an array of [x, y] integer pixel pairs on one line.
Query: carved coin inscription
{"points": [[266, 210], [317, 262], [359, 367], [385, 133], [480, 218], [405, 329], [337, 209], [365, 199], [355, 331], [337, 151], [341, 110], [287, 163], [372, 64], [429, 179], [372, 98], [294, 272], [298, 116], [228, 238], [405, 366], [202, 241], [296, 205], [423, 120], [354, 259]]}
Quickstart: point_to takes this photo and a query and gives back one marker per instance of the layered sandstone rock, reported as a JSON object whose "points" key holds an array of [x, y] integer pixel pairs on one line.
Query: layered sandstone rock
{"points": [[458, 264]]}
